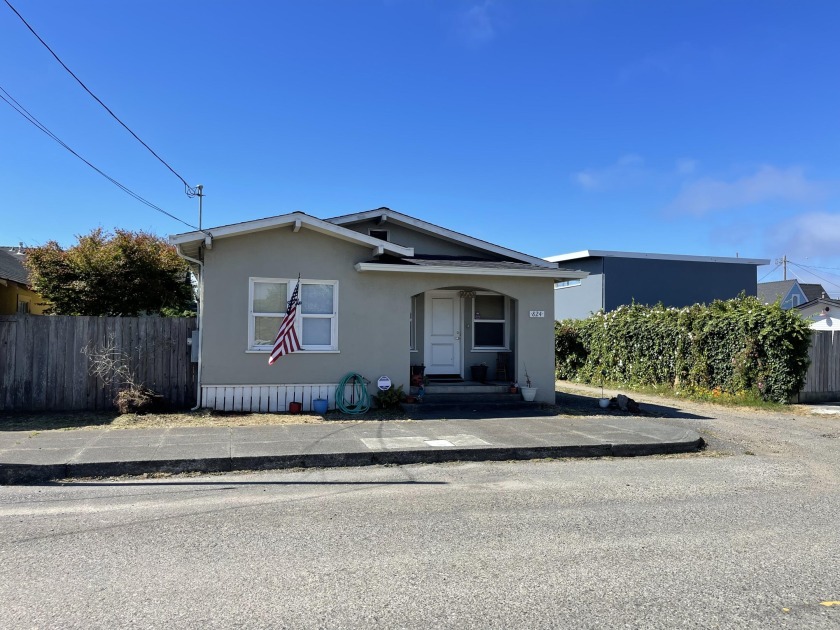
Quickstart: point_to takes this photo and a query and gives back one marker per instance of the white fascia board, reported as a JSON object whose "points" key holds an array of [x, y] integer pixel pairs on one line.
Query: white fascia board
{"points": [[440, 232], [556, 274], [296, 220], [600, 253]]}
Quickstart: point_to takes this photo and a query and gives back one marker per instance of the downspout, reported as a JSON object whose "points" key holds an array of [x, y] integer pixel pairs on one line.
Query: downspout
{"points": [[200, 309]]}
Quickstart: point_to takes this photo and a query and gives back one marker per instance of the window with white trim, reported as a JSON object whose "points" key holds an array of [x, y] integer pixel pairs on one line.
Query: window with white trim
{"points": [[567, 283], [316, 322], [490, 321]]}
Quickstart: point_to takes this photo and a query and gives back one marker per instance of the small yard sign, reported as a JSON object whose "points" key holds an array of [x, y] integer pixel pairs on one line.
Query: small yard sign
{"points": [[384, 383], [537, 313]]}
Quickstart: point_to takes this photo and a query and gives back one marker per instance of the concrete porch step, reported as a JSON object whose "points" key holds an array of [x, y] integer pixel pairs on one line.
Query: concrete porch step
{"points": [[467, 387], [472, 397]]}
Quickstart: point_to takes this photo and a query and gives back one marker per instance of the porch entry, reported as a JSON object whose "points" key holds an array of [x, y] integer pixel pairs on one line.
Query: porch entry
{"points": [[443, 344]]}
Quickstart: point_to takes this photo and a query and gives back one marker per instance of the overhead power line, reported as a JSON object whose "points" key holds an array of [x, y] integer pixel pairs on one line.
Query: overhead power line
{"points": [[190, 191], [20, 109], [769, 272], [834, 284]]}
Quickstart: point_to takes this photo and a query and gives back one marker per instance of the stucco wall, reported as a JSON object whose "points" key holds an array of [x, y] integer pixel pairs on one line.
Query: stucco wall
{"points": [[9, 299], [373, 307]]}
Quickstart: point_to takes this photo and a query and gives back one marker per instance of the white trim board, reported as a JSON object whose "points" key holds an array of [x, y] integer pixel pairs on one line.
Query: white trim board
{"points": [[602, 253], [555, 274], [295, 220]]}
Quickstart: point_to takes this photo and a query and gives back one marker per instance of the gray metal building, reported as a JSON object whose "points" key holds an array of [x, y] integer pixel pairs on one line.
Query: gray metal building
{"points": [[617, 278]]}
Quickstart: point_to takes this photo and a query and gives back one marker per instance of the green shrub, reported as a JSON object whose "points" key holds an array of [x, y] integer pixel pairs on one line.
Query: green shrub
{"points": [[568, 349], [739, 347], [390, 398]]}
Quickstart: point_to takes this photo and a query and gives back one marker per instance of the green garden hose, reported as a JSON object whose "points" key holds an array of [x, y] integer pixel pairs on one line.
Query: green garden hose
{"points": [[359, 397]]}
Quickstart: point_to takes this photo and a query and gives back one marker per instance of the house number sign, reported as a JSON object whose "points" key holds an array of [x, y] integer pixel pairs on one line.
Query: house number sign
{"points": [[384, 383], [537, 313]]}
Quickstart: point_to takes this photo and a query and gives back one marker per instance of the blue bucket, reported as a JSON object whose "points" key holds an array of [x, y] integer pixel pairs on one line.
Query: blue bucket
{"points": [[319, 405]]}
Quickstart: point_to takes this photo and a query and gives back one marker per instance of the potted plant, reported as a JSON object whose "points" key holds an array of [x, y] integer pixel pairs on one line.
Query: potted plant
{"points": [[479, 372], [602, 401], [528, 392], [417, 375]]}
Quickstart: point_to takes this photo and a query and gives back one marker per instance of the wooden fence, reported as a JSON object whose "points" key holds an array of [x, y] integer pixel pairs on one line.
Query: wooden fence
{"points": [[43, 366], [822, 383]]}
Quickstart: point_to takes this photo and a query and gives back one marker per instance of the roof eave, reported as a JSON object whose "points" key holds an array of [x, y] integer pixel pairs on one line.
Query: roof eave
{"points": [[296, 220], [555, 274], [602, 253]]}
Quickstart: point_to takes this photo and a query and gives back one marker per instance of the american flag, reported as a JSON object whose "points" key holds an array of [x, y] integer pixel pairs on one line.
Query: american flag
{"points": [[287, 339]]}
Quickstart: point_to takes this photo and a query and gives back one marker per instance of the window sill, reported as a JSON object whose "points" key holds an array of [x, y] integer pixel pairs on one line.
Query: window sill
{"points": [[298, 352], [478, 350]]}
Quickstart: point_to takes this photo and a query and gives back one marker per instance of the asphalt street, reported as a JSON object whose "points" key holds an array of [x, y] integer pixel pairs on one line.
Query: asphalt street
{"points": [[744, 535]]}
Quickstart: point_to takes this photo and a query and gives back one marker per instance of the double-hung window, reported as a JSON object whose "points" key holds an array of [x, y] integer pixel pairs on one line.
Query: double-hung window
{"points": [[316, 322], [490, 322]]}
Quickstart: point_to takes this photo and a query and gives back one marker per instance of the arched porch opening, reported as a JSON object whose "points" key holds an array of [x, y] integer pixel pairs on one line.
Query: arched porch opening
{"points": [[465, 333]]}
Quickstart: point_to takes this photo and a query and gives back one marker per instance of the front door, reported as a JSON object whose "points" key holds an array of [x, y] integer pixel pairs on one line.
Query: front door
{"points": [[443, 332]]}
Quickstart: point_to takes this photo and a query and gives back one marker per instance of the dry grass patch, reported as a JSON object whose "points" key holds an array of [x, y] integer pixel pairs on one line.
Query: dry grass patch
{"points": [[65, 421]]}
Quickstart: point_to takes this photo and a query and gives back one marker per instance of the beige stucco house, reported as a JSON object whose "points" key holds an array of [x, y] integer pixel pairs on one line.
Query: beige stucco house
{"points": [[381, 291]]}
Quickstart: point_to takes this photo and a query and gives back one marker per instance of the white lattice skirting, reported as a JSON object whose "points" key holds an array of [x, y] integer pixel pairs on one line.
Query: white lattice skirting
{"points": [[266, 398]]}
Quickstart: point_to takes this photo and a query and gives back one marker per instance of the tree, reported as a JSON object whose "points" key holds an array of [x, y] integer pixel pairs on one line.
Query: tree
{"points": [[124, 273]]}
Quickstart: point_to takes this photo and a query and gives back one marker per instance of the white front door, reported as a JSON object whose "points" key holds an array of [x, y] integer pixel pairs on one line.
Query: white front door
{"points": [[443, 332]]}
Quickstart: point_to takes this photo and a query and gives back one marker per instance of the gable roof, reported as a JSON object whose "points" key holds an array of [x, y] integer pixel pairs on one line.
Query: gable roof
{"points": [[813, 291], [826, 300], [189, 243], [386, 215], [603, 253], [11, 266], [769, 292]]}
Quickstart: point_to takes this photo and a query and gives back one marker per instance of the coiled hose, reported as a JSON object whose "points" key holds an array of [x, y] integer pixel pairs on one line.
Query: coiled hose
{"points": [[359, 397]]}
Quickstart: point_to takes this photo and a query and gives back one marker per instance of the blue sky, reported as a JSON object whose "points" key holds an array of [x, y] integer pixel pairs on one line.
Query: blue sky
{"points": [[691, 127]]}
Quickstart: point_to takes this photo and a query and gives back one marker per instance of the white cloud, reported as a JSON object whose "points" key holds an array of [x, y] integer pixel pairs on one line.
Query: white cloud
{"points": [[767, 185], [686, 166], [475, 25], [814, 235], [628, 169]]}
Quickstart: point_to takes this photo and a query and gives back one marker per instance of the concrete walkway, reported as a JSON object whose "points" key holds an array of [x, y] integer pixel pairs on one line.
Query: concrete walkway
{"points": [[27, 457]]}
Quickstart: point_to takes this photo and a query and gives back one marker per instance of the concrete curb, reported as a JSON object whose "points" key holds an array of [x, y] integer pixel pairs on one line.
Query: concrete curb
{"points": [[19, 474]]}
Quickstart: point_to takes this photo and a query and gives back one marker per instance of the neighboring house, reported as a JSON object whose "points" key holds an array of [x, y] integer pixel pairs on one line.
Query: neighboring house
{"points": [[381, 291], [823, 313], [617, 278], [15, 294], [791, 293]]}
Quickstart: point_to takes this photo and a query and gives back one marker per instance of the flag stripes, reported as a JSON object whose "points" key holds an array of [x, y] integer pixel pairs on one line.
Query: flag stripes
{"points": [[287, 340]]}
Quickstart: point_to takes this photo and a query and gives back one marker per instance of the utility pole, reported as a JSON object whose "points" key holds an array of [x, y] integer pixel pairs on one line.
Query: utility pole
{"points": [[782, 261], [199, 192]]}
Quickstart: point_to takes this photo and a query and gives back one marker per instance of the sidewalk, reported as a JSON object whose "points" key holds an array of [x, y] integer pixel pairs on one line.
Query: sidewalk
{"points": [[27, 457]]}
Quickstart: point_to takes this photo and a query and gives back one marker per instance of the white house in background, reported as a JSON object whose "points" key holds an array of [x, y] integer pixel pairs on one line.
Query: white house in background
{"points": [[823, 313]]}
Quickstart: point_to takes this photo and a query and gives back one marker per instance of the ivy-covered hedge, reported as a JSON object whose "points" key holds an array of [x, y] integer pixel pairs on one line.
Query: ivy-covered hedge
{"points": [[737, 346]]}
